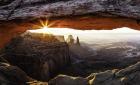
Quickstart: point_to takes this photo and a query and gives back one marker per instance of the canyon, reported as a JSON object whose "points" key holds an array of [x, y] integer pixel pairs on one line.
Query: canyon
{"points": [[42, 57], [38, 59]]}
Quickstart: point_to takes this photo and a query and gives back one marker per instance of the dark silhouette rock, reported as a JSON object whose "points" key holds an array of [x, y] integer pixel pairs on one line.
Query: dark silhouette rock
{"points": [[77, 41], [12, 75], [70, 40]]}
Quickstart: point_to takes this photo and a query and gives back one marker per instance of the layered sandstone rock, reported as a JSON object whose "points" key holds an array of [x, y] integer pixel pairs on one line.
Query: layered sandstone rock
{"points": [[40, 56]]}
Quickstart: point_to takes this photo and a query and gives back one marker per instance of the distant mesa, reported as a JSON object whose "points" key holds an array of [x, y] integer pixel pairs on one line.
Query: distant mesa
{"points": [[45, 37], [50, 37], [71, 41], [77, 41]]}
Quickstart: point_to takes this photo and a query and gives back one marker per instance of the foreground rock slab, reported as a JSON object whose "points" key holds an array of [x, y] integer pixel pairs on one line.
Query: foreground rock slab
{"points": [[13, 75], [126, 76]]}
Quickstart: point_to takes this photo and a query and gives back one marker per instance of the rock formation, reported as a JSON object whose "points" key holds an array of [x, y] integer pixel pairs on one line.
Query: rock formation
{"points": [[22, 9], [12, 75], [70, 40], [77, 41], [17, 16], [127, 76], [40, 56], [110, 10]]}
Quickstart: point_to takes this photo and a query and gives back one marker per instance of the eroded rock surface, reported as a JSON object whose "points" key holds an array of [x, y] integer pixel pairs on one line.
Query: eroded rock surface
{"points": [[40, 8]]}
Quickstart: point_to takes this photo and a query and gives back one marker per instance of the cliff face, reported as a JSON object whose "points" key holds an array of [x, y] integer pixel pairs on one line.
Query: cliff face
{"points": [[41, 57]]}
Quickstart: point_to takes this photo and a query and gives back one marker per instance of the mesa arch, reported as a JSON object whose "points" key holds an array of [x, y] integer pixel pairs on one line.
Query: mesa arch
{"points": [[17, 16]]}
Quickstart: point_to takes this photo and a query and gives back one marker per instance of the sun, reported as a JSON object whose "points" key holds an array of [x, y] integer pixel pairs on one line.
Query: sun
{"points": [[67, 31], [54, 31]]}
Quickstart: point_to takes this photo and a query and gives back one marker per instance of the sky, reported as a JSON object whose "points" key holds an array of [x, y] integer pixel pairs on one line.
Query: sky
{"points": [[90, 36]]}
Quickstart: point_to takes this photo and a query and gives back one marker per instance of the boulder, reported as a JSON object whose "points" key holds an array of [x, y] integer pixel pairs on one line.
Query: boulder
{"points": [[12, 75], [68, 80]]}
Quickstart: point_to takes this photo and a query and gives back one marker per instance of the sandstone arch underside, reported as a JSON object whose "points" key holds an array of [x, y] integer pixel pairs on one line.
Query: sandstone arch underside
{"points": [[16, 16]]}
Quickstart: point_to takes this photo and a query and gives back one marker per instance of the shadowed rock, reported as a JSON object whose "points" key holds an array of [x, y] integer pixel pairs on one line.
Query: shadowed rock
{"points": [[68, 80], [126, 76], [12, 75]]}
